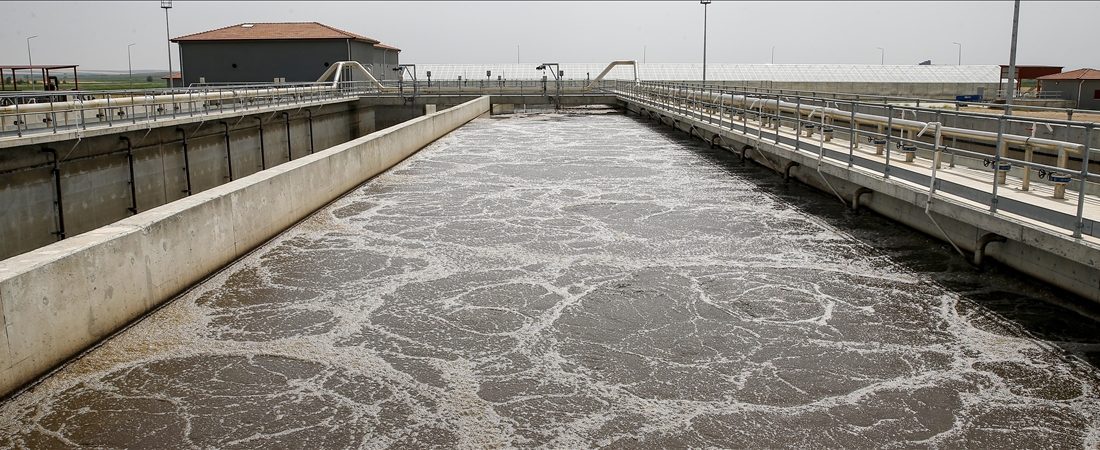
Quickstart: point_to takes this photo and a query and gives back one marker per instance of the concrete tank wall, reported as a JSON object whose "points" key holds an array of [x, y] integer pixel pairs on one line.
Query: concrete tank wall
{"points": [[1055, 258], [95, 174], [60, 299]]}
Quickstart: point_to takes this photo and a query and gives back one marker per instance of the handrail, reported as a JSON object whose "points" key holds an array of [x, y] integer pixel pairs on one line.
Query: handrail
{"points": [[614, 64], [722, 107], [877, 119], [895, 98]]}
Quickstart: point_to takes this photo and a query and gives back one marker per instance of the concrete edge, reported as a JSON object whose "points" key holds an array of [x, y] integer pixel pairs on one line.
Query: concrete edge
{"points": [[63, 298], [1057, 259], [46, 137]]}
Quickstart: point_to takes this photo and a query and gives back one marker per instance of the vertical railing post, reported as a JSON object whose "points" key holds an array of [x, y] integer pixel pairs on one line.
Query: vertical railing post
{"points": [[797, 123], [997, 160], [889, 135], [1080, 225], [853, 136], [52, 116], [936, 151], [83, 120], [108, 110], [19, 120], [778, 119]]}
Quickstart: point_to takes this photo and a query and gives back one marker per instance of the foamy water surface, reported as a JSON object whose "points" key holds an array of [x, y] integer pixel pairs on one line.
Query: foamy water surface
{"points": [[576, 280]]}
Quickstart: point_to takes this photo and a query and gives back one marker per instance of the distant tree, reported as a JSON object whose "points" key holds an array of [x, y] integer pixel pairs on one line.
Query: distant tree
{"points": [[149, 78]]}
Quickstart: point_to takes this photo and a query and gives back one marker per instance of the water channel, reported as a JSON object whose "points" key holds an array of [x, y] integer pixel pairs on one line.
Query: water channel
{"points": [[585, 279]]}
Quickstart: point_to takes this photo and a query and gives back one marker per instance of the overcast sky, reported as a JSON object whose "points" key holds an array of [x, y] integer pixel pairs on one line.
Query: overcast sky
{"points": [[95, 34]]}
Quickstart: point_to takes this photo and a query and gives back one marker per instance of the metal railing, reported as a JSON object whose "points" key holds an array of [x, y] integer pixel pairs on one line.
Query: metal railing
{"points": [[51, 112], [898, 143], [916, 101]]}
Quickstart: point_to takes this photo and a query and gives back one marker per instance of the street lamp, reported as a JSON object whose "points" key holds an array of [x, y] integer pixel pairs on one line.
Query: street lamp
{"points": [[704, 3], [167, 4], [1012, 59], [773, 54], [129, 66], [882, 55], [30, 62], [960, 52]]}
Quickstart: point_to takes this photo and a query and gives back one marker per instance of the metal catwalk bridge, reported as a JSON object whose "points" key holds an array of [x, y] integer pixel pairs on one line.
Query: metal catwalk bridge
{"points": [[926, 156]]}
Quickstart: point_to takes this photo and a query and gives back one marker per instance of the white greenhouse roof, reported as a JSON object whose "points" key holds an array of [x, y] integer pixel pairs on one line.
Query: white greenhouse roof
{"points": [[822, 73]]}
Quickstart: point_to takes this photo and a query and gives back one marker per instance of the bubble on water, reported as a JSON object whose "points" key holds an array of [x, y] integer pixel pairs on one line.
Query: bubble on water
{"points": [[582, 279]]}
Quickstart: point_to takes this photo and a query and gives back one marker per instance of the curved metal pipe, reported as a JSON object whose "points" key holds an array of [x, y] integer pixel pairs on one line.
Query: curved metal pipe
{"points": [[979, 248], [263, 158], [289, 153], [309, 113], [186, 159], [133, 183], [228, 149], [60, 233], [787, 170], [608, 69], [855, 196]]}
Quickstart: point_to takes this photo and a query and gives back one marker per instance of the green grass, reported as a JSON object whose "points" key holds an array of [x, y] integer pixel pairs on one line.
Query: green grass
{"points": [[113, 85], [104, 82]]}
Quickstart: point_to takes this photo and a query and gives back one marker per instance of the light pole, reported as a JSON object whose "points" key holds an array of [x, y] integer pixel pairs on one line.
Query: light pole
{"points": [[960, 52], [704, 3], [167, 4], [773, 54], [129, 66], [882, 56], [1012, 59], [30, 62]]}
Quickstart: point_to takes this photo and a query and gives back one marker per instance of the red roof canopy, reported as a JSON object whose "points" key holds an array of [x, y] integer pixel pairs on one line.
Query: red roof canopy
{"points": [[274, 31], [1079, 74], [386, 47], [1030, 72]]}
